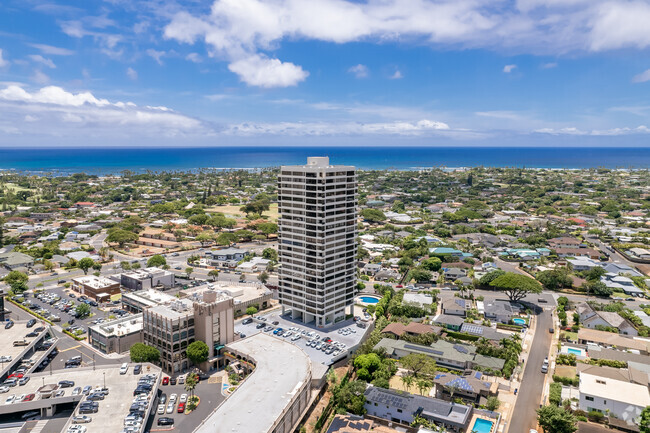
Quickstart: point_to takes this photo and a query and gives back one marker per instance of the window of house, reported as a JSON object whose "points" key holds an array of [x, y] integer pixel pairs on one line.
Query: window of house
{"points": [[589, 398]]}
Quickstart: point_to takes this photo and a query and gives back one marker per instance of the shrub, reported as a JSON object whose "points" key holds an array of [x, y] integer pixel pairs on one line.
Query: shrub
{"points": [[566, 359], [595, 416], [566, 380], [555, 394]]}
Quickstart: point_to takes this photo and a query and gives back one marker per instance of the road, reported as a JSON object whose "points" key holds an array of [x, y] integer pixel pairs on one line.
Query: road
{"points": [[532, 384]]}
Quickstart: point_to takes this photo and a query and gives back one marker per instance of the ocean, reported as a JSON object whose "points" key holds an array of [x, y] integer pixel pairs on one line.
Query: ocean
{"points": [[113, 160]]}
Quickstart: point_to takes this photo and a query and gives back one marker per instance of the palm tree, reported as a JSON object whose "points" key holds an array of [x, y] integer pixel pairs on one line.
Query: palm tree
{"points": [[190, 384], [407, 380]]}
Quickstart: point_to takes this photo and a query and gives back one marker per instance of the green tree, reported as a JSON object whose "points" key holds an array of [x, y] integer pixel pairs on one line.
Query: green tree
{"points": [[516, 286], [555, 279], [214, 274], [432, 264], [156, 261], [17, 281], [597, 288], [251, 311], [644, 422], [595, 273], [188, 271], [351, 397], [125, 265], [373, 215], [205, 237], [263, 277], [141, 352], [85, 264], [191, 381], [226, 239], [492, 403], [198, 352], [82, 310], [555, 419], [270, 254], [268, 228], [487, 279], [421, 275], [418, 364], [121, 236]]}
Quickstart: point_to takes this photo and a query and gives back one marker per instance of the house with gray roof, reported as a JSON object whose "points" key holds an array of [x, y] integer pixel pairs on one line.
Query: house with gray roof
{"points": [[620, 268], [403, 407], [500, 310], [471, 387], [454, 356], [448, 321], [13, 260], [456, 307]]}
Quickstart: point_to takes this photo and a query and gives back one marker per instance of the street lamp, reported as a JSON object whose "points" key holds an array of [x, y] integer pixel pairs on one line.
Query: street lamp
{"points": [[104, 379]]}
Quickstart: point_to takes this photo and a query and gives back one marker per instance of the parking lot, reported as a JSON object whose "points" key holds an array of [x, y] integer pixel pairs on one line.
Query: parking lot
{"points": [[209, 391], [17, 332], [345, 333]]}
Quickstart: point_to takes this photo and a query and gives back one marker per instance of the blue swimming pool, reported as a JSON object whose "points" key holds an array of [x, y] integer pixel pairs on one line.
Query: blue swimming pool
{"points": [[369, 299], [482, 426], [575, 351], [519, 321]]}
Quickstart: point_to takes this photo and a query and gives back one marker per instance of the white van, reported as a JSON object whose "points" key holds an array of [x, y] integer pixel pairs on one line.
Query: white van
{"points": [[124, 368]]}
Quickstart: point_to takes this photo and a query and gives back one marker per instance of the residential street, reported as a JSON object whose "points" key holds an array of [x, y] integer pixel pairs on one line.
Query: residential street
{"points": [[532, 384]]}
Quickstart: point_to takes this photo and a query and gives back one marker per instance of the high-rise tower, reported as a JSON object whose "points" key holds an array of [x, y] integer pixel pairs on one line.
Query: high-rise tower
{"points": [[317, 240]]}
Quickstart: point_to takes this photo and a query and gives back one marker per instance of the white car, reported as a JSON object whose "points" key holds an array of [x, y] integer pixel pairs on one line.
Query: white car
{"points": [[20, 398], [132, 424], [161, 409], [183, 398], [170, 407], [81, 419], [10, 399], [124, 368], [4, 389], [172, 398], [77, 429]]}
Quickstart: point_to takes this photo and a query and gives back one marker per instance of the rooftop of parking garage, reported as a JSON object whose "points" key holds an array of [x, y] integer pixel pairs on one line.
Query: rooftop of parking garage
{"points": [[281, 369], [15, 333]]}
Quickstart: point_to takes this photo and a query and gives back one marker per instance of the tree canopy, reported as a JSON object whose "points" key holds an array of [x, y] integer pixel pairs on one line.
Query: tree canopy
{"points": [[516, 286], [373, 215], [141, 352], [85, 264], [156, 261], [555, 419], [198, 352], [120, 236]]}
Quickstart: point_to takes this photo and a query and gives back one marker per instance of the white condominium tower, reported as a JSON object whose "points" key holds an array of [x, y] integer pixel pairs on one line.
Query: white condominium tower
{"points": [[317, 240]]}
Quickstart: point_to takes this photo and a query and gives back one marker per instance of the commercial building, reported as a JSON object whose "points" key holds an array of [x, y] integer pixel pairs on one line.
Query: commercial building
{"points": [[403, 408], [136, 302], [275, 396], [98, 288], [116, 336], [244, 294], [317, 240], [142, 279], [225, 257], [171, 326]]}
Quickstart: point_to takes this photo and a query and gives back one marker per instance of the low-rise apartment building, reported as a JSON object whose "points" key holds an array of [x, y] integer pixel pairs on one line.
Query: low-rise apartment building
{"points": [[621, 398]]}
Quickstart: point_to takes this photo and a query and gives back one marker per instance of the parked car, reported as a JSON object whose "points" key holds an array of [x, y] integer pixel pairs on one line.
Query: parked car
{"points": [[9, 324], [137, 369], [165, 380], [31, 323], [165, 421], [181, 407], [66, 384], [124, 368], [81, 419]]}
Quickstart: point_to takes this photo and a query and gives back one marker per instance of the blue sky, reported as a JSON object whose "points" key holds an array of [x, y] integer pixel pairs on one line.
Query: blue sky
{"points": [[325, 72]]}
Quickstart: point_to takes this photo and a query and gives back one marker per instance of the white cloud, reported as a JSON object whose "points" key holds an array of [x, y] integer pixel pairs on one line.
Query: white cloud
{"points": [[131, 73], [642, 77], [194, 57], [642, 129], [509, 68], [156, 55], [63, 113], [3, 62], [42, 60], [53, 51], [359, 71], [396, 76], [422, 127], [503, 115], [259, 70], [40, 78], [549, 65]]}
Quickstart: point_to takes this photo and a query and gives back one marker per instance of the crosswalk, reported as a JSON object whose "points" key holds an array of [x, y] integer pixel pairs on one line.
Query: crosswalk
{"points": [[38, 428]]}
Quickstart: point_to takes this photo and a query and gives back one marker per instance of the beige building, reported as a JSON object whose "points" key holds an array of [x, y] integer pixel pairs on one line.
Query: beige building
{"points": [[244, 294], [98, 288], [173, 325]]}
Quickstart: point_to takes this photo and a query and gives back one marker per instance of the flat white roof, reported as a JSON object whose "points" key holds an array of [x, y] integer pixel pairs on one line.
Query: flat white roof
{"points": [[617, 390], [281, 369]]}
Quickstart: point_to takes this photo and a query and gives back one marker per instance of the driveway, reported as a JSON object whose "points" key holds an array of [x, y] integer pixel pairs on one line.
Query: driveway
{"points": [[532, 384]]}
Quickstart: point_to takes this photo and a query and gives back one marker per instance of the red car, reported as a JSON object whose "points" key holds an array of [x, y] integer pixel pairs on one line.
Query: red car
{"points": [[165, 380], [29, 397], [18, 375], [181, 407]]}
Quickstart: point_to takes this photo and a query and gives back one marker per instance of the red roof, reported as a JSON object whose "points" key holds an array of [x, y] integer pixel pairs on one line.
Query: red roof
{"points": [[84, 203]]}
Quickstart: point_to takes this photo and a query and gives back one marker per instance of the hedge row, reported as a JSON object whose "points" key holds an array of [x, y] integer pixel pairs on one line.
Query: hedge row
{"points": [[462, 336], [19, 305]]}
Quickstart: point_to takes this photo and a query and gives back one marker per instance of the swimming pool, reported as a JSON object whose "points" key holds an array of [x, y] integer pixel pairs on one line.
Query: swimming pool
{"points": [[369, 299], [519, 321], [574, 351], [482, 425]]}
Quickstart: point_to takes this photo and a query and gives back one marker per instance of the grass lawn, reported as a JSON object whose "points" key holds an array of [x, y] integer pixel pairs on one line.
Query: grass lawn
{"points": [[620, 295], [233, 211], [573, 336], [17, 188], [565, 370]]}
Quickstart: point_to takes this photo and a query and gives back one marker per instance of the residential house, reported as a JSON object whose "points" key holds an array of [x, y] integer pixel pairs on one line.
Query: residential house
{"points": [[454, 356], [471, 387], [622, 269], [456, 307], [13, 260], [610, 339], [359, 424], [225, 257], [578, 252], [621, 398], [499, 310], [621, 283], [445, 251], [584, 263], [486, 332], [386, 274], [451, 322], [610, 320], [454, 273], [256, 264], [398, 329], [564, 242], [404, 408], [641, 253], [371, 269], [422, 300]]}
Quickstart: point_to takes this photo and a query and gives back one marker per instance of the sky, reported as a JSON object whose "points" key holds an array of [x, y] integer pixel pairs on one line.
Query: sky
{"points": [[325, 72]]}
